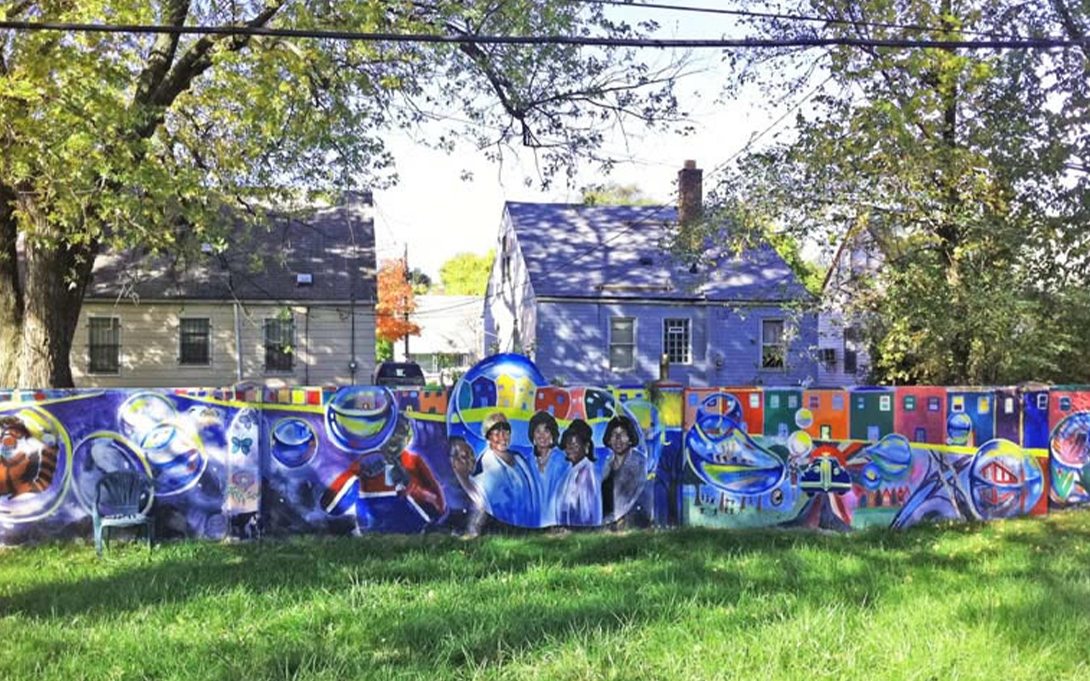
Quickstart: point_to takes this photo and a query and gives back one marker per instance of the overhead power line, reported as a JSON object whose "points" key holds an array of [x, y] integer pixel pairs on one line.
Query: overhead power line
{"points": [[789, 17], [589, 41]]}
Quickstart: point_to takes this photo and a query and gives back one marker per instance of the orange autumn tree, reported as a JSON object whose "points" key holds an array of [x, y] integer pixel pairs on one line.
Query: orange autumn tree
{"points": [[395, 303]]}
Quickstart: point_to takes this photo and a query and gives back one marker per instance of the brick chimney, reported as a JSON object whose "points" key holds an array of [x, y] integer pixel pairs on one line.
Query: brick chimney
{"points": [[690, 193]]}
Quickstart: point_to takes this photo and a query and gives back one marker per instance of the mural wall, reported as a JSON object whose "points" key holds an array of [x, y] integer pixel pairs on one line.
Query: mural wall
{"points": [[504, 448]]}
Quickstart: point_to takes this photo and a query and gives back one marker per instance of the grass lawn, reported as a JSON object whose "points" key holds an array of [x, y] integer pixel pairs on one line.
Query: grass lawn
{"points": [[1006, 600]]}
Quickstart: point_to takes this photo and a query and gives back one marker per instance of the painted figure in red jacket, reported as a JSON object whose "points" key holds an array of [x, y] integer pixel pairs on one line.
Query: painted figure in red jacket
{"points": [[27, 464]]}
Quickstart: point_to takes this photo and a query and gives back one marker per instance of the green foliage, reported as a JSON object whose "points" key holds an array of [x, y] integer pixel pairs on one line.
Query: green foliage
{"points": [[384, 350], [466, 274], [115, 140], [962, 171], [613, 194], [421, 282], [687, 604]]}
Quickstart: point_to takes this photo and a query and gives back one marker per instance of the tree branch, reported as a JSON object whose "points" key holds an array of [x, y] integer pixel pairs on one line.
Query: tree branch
{"points": [[162, 52]]}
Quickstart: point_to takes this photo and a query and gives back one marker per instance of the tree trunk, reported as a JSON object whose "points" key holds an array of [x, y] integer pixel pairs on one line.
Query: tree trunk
{"points": [[11, 292], [56, 279]]}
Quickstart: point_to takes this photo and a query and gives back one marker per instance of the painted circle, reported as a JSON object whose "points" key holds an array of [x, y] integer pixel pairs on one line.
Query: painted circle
{"points": [[47, 438], [1003, 481], [100, 453], [293, 442], [959, 427], [800, 443], [142, 412], [804, 418], [360, 418]]}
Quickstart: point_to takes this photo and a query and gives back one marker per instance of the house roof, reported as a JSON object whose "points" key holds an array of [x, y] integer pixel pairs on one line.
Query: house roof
{"points": [[448, 324], [579, 251], [335, 245]]}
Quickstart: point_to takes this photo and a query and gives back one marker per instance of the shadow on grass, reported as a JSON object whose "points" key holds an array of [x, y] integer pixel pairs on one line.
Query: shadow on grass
{"points": [[528, 589]]}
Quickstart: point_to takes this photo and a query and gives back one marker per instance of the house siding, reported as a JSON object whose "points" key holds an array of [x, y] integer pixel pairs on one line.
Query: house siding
{"points": [[725, 344], [510, 300], [149, 345]]}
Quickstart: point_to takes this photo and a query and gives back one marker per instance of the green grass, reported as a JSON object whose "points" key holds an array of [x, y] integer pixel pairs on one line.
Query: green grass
{"points": [[1006, 600]]}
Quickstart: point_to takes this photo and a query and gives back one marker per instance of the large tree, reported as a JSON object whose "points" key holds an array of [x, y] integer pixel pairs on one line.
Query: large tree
{"points": [[466, 274], [965, 170], [120, 140]]}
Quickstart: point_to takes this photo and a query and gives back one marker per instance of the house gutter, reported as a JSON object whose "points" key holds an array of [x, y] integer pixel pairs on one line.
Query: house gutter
{"points": [[306, 343], [666, 301]]}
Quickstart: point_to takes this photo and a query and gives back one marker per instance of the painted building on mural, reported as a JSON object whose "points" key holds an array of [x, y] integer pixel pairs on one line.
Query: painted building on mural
{"points": [[592, 295], [305, 317]]}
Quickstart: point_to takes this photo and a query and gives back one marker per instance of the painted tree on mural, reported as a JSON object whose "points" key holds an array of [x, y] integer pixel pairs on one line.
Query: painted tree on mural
{"points": [[965, 169], [395, 303], [115, 140]]}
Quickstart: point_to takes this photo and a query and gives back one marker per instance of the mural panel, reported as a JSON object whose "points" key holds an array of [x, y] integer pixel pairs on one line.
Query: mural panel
{"points": [[505, 448]]}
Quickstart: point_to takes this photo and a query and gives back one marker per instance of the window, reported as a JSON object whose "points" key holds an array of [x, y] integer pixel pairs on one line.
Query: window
{"points": [[874, 433], [920, 435], [933, 403], [826, 432], [851, 348], [910, 403], [983, 405], [774, 401], [838, 403], [815, 401], [958, 404], [104, 346], [792, 401], [1065, 404], [773, 350], [1008, 405], [828, 358], [675, 340], [279, 343], [1042, 401], [194, 342], [754, 400], [885, 402], [622, 343]]}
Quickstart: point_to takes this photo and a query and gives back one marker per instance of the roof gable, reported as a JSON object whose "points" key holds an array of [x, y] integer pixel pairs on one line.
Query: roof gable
{"points": [[578, 251], [335, 245]]}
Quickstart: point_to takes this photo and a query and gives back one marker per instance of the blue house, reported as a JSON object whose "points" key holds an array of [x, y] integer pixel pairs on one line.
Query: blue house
{"points": [[592, 295]]}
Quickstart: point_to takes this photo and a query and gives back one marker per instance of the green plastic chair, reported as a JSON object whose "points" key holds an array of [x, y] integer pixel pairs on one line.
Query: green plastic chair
{"points": [[127, 498]]}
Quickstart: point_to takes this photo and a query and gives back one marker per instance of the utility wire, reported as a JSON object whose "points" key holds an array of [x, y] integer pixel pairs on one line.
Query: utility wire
{"points": [[689, 43], [789, 17]]}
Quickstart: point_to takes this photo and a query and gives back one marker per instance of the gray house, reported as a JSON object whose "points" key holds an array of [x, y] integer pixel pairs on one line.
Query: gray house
{"points": [[289, 303], [590, 294]]}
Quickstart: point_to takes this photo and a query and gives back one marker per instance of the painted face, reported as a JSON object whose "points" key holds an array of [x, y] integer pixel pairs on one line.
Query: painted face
{"points": [[619, 441], [576, 449], [543, 437], [500, 439]]}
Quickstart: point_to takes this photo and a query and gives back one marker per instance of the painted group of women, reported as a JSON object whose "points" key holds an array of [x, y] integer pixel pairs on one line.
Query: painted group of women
{"points": [[562, 482]]}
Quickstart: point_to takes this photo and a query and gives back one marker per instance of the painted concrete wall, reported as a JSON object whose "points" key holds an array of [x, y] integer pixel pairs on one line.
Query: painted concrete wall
{"points": [[364, 459], [150, 345]]}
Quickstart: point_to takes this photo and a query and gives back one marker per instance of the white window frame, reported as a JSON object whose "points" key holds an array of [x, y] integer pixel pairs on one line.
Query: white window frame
{"points": [[782, 344], [90, 371], [609, 347], [265, 345], [688, 336], [190, 364]]}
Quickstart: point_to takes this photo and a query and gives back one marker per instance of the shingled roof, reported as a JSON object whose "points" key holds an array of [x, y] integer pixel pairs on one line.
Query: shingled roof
{"points": [[579, 251], [334, 245]]}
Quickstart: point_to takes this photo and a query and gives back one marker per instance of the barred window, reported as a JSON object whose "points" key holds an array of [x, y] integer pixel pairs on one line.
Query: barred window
{"points": [[773, 348], [104, 346], [194, 342], [622, 343], [279, 344], [675, 340]]}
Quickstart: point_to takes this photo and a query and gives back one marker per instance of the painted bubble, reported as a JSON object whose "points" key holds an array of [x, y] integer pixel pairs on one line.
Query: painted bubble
{"points": [[293, 442], [1004, 482], [508, 381], [804, 418], [101, 453], [749, 469], [142, 412], [891, 456], [176, 457], [800, 444], [360, 418], [35, 464], [959, 428]]}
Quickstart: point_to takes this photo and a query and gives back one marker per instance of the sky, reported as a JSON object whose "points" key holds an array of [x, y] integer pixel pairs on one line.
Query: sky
{"points": [[437, 213]]}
